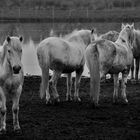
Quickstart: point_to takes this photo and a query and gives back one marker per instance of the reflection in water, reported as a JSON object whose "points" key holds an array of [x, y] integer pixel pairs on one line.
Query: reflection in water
{"points": [[29, 59]]}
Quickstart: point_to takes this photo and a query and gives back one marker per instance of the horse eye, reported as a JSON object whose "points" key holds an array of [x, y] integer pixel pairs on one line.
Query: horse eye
{"points": [[123, 40], [9, 51]]}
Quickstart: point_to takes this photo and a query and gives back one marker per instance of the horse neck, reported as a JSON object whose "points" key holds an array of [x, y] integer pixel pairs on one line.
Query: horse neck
{"points": [[136, 42], [86, 37], [82, 37], [4, 66], [119, 41], [2, 55], [84, 41], [95, 37]]}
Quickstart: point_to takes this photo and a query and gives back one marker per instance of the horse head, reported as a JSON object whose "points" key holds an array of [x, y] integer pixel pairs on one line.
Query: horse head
{"points": [[12, 53], [127, 34]]}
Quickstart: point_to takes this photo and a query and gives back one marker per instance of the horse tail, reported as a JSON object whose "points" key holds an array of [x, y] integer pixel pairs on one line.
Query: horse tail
{"points": [[45, 72], [92, 56]]}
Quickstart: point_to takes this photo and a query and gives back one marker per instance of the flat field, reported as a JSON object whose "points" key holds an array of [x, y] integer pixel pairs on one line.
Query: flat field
{"points": [[72, 120]]}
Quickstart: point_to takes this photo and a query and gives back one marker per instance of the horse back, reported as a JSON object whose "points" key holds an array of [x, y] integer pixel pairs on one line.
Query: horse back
{"points": [[123, 59], [123, 54], [106, 50], [56, 51], [107, 53], [113, 57]]}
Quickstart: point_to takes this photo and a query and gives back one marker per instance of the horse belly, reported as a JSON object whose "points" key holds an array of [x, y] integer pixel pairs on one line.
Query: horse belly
{"points": [[70, 68], [67, 63], [64, 68], [116, 69], [121, 65]]}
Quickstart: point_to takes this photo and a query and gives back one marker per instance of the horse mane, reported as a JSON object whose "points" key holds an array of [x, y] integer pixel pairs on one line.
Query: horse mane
{"points": [[67, 36], [3, 50], [105, 35], [110, 32], [111, 35], [1, 53], [74, 33], [83, 35], [137, 31]]}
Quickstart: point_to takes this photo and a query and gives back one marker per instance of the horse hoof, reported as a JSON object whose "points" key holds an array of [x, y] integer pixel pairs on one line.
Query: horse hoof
{"points": [[95, 105], [2, 131], [56, 101], [69, 98], [49, 102], [77, 99], [18, 131], [115, 103], [125, 102]]}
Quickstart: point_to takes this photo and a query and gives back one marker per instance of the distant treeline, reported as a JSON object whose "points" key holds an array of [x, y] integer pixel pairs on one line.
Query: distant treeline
{"points": [[68, 4]]}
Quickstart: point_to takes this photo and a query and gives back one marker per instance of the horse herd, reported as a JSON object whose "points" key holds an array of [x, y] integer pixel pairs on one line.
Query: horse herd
{"points": [[111, 53]]}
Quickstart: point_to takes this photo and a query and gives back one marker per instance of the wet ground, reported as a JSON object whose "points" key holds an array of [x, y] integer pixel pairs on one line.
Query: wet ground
{"points": [[73, 121]]}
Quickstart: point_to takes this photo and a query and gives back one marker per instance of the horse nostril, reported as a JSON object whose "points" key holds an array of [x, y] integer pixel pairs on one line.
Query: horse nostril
{"points": [[16, 69]]}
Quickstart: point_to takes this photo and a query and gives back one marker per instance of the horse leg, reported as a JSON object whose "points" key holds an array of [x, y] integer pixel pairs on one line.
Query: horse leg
{"points": [[137, 69], [2, 112], [53, 83], [116, 87], [111, 77], [69, 85], [44, 88], [104, 78], [132, 70], [15, 109], [0, 103], [123, 87], [77, 84]]}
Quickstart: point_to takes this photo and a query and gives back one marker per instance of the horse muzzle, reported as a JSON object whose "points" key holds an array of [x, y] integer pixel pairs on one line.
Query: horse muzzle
{"points": [[16, 69]]}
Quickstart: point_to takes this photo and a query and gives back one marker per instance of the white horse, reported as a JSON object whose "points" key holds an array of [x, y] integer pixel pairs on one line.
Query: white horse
{"points": [[104, 56], [11, 79], [110, 35], [62, 55], [136, 54]]}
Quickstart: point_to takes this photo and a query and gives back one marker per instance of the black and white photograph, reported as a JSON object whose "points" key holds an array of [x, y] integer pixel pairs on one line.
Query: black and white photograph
{"points": [[69, 70]]}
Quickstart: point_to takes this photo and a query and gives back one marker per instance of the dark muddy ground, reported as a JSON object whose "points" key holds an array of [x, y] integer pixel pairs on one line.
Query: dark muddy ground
{"points": [[71, 120]]}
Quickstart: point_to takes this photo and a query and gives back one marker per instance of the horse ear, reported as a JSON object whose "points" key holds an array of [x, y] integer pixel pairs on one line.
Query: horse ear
{"points": [[93, 30], [21, 38], [132, 25], [8, 39], [122, 26]]}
